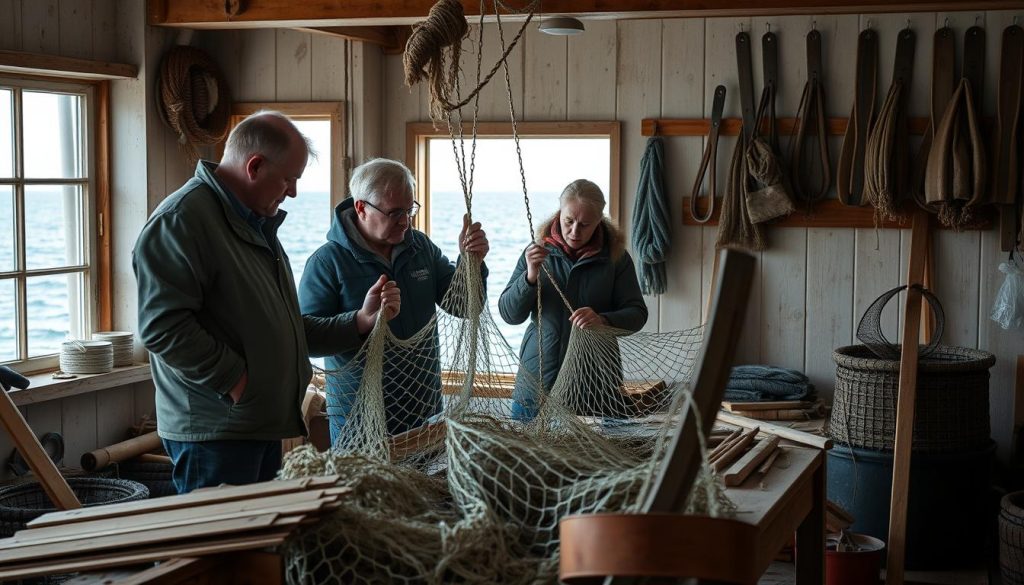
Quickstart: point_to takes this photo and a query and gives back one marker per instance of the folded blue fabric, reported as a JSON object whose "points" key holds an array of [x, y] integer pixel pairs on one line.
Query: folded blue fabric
{"points": [[759, 383]]}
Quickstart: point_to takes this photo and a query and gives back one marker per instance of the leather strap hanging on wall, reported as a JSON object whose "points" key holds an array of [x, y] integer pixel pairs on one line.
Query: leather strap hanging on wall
{"points": [[734, 227], [886, 155], [955, 175], [943, 60], [1006, 174], [770, 68], [709, 162], [850, 171], [810, 120]]}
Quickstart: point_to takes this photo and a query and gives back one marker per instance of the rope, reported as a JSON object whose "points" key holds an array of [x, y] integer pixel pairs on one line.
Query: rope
{"points": [[194, 99], [882, 181], [651, 238]]}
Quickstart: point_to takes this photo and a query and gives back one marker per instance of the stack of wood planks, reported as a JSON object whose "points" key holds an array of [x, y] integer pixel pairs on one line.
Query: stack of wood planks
{"points": [[741, 454], [205, 522], [778, 410]]}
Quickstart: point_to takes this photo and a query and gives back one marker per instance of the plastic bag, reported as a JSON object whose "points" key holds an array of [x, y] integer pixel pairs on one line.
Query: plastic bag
{"points": [[1008, 308]]}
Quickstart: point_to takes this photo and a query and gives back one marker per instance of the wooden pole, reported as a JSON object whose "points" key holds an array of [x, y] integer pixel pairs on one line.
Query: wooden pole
{"points": [[905, 401], [28, 445]]}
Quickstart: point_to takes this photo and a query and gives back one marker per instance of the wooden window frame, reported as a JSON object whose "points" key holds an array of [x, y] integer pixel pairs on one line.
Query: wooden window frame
{"points": [[98, 253], [333, 111], [417, 152]]}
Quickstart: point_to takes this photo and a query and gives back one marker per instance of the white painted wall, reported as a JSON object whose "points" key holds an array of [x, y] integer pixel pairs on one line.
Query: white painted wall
{"points": [[813, 284]]}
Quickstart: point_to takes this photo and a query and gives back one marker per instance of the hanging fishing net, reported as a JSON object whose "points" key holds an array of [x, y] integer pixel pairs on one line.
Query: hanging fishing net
{"points": [[461, 463]]}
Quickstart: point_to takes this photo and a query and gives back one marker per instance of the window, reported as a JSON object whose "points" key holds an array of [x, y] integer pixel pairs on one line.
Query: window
{"points": [[322, 184], [48, 219], [554, 154]]}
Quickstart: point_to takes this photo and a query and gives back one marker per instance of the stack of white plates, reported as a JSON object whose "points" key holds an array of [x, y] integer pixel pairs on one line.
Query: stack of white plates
{"points": [[123, 342], [86, 357]]}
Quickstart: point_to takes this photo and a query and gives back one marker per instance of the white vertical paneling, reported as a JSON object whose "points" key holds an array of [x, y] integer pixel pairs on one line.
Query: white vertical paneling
{"points": [[403, 105], [43, 417], [78, 425], [40, 26], [115, 414], [367, 76], [328, 68], [294, 70], [76, 22], [494, 100], [720, 68], [10, 26], [257, 68], [830, 261], [544, 76], [638, 95], [1006, 345], [104, 21], [783, 265], [682, 96], [591, 71]]}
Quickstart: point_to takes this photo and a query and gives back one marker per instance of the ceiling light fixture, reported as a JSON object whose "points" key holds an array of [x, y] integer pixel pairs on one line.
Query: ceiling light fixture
{"points": [[561, 25]]}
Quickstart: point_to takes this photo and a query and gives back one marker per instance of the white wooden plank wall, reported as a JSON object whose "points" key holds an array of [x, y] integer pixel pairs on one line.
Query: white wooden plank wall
{"points": [[814, 284]]}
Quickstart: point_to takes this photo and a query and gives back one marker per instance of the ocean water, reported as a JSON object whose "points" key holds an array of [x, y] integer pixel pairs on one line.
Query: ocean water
{"points": [[51, 319]]}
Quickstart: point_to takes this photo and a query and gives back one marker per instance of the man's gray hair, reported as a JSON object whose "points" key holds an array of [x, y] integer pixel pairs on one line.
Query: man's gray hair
{"points": [[263, 133], [380, 175]]}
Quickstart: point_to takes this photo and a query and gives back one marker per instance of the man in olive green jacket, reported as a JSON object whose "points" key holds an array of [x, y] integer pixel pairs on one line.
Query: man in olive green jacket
{"points": [[219, 313]]}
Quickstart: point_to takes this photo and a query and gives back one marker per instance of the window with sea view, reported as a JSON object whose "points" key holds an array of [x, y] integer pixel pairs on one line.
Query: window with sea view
{"points": [[46, 230]]}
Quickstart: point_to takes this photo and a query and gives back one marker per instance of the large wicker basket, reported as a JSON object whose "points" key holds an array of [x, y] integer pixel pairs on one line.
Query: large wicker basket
{"points": [[24, 502], [951, 411]]}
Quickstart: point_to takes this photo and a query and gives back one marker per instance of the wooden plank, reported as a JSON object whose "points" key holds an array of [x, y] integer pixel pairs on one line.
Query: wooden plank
{"points": [[104, 35], [638, 93], [801, 437], [175, 570], [138, 555], [115, 414], [294, 70], [36, 551], [717, 352], [257, 71], [269, 13], [905, 405], [10, 28], [733, 406], [740, 470], [195, 498], [682, 93], [402, 106], [40, 27], [28, 445], [591, 71], [78, 425], [544, 76], [44, 388], [27, 63], [731, 126], [74, 20], [194, 517], [104, 215], [386, 37]]}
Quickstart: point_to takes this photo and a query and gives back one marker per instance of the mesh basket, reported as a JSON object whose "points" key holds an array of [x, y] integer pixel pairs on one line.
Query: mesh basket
{"points": [[156, 476], [1011, 538], [951, 410], [22, 503]]}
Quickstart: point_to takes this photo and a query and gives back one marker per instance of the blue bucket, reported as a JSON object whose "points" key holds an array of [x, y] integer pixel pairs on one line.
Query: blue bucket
{"points": [[948, 508]]}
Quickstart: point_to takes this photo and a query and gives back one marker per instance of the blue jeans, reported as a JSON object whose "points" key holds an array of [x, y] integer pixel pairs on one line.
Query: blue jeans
{"points": [[211, 463]]}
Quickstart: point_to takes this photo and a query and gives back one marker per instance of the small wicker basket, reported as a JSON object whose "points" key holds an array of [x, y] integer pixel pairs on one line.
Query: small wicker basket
{"points": [[21, 503]]}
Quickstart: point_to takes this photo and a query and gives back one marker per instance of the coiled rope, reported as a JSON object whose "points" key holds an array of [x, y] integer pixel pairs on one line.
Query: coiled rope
{"points": [[194, 99]]}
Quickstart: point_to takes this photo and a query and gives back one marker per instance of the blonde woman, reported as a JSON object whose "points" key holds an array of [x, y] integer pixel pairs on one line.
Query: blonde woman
{"points": [[585, 253]]}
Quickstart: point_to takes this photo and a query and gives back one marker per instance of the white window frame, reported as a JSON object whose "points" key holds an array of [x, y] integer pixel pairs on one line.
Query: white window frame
{"points": [[88, 304]]}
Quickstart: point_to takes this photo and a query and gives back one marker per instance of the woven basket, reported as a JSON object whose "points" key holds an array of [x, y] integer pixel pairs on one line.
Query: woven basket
{"points": [[157, 477], [951, 411], [24, 502], [1011, 538]]}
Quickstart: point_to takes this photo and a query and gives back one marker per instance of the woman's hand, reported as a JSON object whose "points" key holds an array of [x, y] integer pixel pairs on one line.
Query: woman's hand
{"points": [[535, 256], [384, 293], [585, 317]]}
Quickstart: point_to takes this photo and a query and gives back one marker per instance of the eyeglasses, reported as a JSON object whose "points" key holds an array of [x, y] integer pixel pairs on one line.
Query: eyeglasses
{"points": [[396, 214]]}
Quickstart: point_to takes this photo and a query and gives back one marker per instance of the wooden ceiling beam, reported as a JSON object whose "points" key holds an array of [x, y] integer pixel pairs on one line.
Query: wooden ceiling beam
{"points": [[390, 38], [232, 14]]}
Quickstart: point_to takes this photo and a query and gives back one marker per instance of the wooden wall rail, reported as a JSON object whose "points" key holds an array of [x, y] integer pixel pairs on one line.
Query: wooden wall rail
{"points": [[731, 126]]}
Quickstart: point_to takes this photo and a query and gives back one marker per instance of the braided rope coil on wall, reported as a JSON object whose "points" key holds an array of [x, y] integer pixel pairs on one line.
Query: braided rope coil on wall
{"points": [[193, 99]]}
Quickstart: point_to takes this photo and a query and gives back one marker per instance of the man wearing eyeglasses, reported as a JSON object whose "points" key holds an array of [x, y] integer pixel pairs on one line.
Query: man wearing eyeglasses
{"points": [[369, 243]]}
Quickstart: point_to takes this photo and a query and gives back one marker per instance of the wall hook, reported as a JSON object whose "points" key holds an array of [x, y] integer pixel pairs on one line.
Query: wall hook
{"points": [[867, 24], [945, 22], [908, 25], [977, 19], [814, 25], [768, 27]]}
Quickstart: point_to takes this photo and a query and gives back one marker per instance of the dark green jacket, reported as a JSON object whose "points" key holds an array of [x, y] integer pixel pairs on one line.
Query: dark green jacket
{"points": [[215, 298], [606, 283]]}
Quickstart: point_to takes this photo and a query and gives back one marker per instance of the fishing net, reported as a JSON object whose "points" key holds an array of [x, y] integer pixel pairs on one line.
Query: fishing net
{"points": [[462, 463]]}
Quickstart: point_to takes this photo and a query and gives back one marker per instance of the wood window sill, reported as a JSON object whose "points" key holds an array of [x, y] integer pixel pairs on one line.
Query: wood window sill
{"points": [[44, 387]]}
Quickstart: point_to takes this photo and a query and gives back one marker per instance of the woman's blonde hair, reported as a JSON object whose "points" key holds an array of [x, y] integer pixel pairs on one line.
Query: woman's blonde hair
{"points": [[584, 191]]}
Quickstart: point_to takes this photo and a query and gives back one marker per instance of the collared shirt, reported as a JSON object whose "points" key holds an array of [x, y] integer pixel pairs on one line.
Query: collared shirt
{"points": [[255, 220]]}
